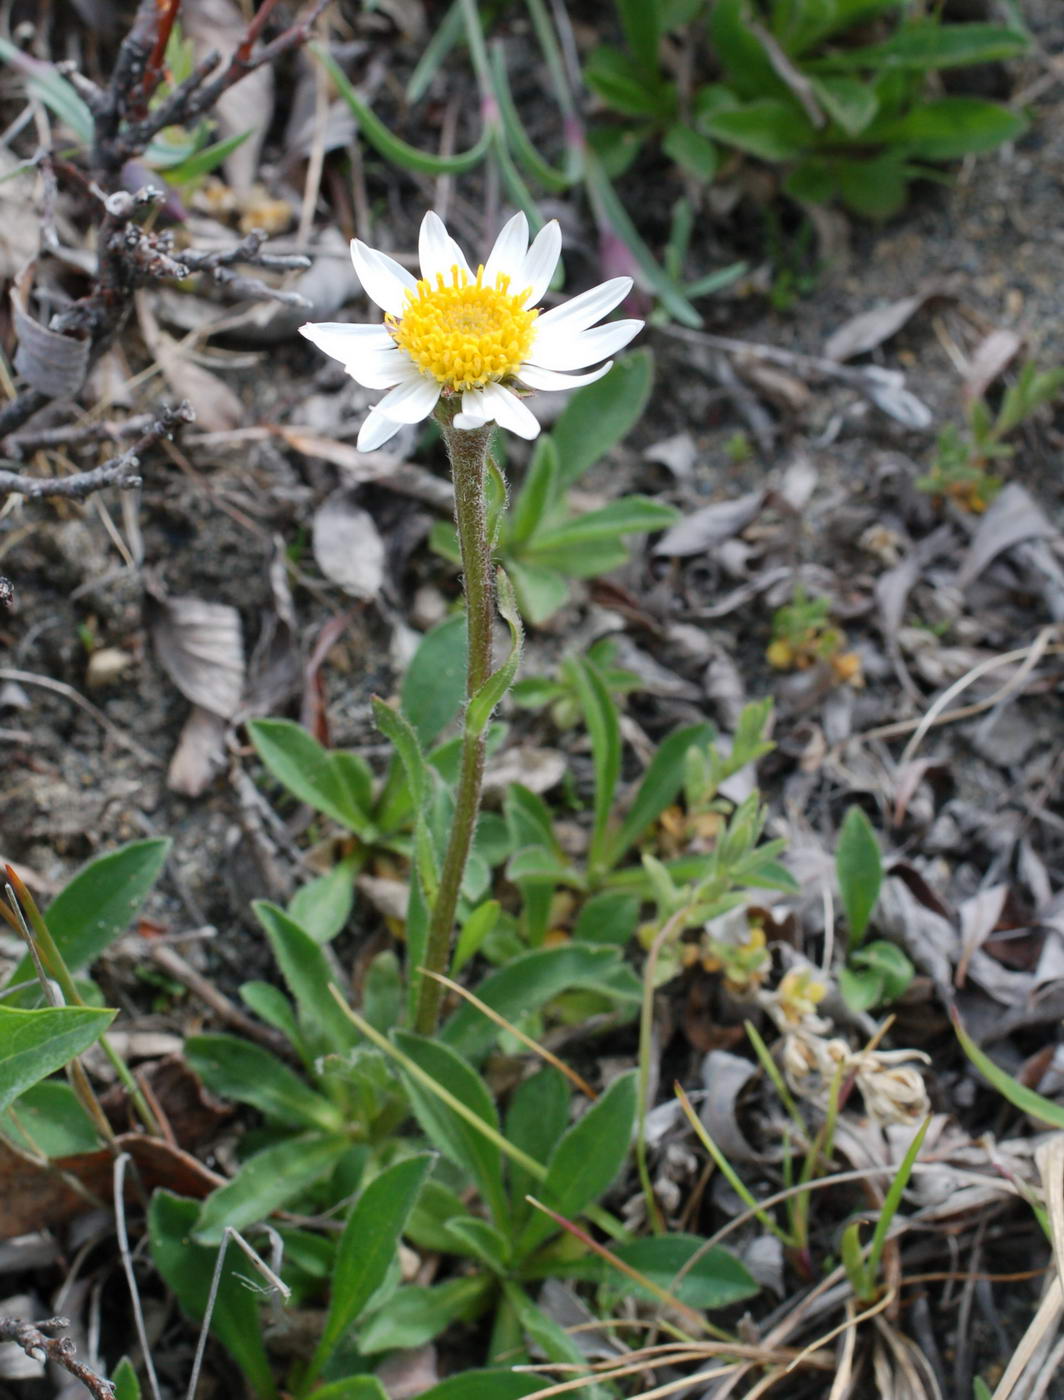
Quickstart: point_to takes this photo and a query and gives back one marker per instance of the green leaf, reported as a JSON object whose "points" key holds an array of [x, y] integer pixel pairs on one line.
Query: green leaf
{"points": [[524, 985], [925, 47], [586, 1161], [194, 167], [627, 516], [477, 927], [537, 1118], [876, 189], [482, 705], [691, 151], [307, 770], [1043, 1110], [267, 1181], [537, 493], [43, 82], [49, 1118], [890, 963], [361, 1387], [413, 1316], [34, 1044], [599, 415], [641, 21], [849, 103], [453, 1135], [951, 127], [610, 917], [99, 903], [368, 1246], [124, 1380], [770, 128], [541, 591], [238, 1069], [436, 1209], [400, 731], [270, 1004], [308, 977], [739, 52], [603, 725], [323, 905], [861, 988], [627, 85], [716, 1280], [661, 783], [396, 151], [859, 870], [434, 684], [187, 1268], [480, 1240], [486, 1385]]}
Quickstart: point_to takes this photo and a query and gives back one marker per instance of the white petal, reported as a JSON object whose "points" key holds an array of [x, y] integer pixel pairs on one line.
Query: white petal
{"points": [[437, 250], [334, 336], [507, 257], [383, 280], [380, 369], [475, 413], [376, 431], [587, 308], [574, 351], [538, 378], [372, 359], [410, 401], [508, 411], [540, 262]]}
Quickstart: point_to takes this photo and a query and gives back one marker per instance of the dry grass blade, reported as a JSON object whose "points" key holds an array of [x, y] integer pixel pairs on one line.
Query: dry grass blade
{"points": [[576, 1080], [1050, 1160]]}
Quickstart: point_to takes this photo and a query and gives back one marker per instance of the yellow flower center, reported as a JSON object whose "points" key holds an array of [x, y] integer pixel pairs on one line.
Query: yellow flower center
{"points": [[463, 333]]}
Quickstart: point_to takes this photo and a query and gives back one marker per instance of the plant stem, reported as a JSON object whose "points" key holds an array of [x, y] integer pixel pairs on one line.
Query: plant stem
{"points": [[468, 451]]}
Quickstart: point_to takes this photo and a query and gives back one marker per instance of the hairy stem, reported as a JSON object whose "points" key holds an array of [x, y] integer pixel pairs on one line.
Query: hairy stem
{"points": [[468, 451]]}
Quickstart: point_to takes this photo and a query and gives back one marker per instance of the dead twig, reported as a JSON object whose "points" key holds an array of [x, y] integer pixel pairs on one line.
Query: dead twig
{"points": [[118, 471], [31, 1338]]}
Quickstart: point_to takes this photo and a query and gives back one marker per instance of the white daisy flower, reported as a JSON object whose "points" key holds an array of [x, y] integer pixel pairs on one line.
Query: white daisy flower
{"points": [[460, 332]]}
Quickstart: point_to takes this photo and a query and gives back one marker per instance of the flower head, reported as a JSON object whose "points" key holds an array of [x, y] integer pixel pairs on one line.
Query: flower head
{"points": [[460, 332]]}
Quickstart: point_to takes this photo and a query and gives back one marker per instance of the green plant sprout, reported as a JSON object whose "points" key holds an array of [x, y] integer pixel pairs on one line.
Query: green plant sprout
{"points": [[961, 470], [876, 972], [803, 636]]}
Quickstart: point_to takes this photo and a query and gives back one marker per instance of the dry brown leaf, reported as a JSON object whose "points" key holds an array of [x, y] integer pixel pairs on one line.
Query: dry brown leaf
{"points": [[200, 753], [1014, 516], [217, 408], [381, 467], [34, 1196], [348, 546], [200, 647], [710, 526], [992, 356], [51, 363], [869, 329]]}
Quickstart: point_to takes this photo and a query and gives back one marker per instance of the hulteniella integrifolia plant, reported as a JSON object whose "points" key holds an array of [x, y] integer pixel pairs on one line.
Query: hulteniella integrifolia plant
{"points": [[836, 94], [963, 466], [876, 972]]}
